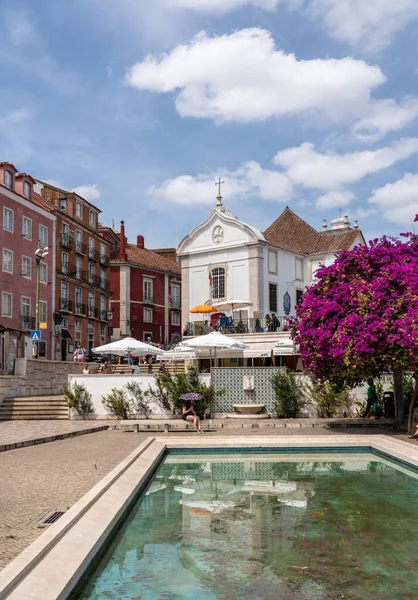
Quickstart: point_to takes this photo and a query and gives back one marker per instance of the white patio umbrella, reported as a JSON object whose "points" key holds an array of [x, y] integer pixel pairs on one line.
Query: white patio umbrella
{"points": [[127, 345], [232, 304], [214, 340]]}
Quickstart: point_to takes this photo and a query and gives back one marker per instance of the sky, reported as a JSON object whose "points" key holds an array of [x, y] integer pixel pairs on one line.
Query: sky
{"points": [[140, 105]]}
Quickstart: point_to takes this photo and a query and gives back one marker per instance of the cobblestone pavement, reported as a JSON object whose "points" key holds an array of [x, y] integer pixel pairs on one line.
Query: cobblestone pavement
{"points": [[39, 480], [19, 432]]}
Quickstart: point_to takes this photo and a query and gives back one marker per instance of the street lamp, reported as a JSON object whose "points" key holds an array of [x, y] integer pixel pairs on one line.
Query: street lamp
{"points": [[109, 316], [40, 253]]}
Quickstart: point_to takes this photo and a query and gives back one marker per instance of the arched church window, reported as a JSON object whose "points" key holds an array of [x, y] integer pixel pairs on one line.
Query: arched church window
{"points": [[218, 283]]}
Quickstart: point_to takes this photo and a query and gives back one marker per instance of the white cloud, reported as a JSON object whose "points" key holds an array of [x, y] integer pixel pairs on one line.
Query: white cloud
{"points": [[370, 24], [385, 116], [334, 199], [248, 180], [307, 167], [398, 202], [88, 192], [243, 77], [221, 6]]}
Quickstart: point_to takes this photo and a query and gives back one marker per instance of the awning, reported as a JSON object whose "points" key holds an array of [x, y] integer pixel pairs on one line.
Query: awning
{"points": [[65, 334]]}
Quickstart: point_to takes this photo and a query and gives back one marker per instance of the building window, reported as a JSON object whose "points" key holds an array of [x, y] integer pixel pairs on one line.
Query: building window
{"points": [[43, 273], [64, 290], [148, 284], [64, 322], [272, 262], [91, 301], [91, 328], [26, 190], [42, 312], [65, 229], [42, 349], [299, 269], [175, 318], [273, 297], [27, 228], [147, 315], [103, 279], [102, 252], [78, 268], [63, 203], [92, 218], [8, 179], [6, 304], [315, 265], [7, 261], [64, 263], [78, 241], [25, 307], [102, 304], [103, 330], [26, 267], [43, 235], [91, 273], [299, 295], [92, 252], [218, 283], [78, 325], [8, 220], [175, 296], [78, 210]]}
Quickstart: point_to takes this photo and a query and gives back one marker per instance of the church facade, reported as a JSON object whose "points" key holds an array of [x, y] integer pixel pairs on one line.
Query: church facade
{"points": [[224, 258]]}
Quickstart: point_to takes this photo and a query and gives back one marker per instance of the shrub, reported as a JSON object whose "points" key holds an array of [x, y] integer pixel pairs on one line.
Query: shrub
{"points": [[327, 397], [139, 405], [117, 403], [170, 387], [288, 391], [79, 399]]}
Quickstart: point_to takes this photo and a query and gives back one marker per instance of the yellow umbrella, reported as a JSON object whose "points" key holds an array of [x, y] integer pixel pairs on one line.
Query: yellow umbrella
{"points": [[203, 309]]}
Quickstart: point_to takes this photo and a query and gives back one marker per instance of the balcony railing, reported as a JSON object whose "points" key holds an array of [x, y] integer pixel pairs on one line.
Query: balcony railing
{"points": [[91, 278], [79, 247], [66, 305], [230, 325], [93, 254], [104, 260], [148, 298], [80, 309], [93, 312], [67, 240], [175, 303], [103, 315], [27, 323]]}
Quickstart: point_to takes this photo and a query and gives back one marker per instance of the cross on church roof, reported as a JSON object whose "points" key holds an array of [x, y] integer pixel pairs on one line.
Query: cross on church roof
{"points": [[219, 197]]}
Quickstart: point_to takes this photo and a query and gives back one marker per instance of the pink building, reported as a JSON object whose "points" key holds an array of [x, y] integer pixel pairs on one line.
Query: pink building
{"points": [[24, 224]]}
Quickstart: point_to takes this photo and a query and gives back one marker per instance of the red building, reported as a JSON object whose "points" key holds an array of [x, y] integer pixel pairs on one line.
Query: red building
{"points": [[146, 290], [24, 225], [82, 272]]}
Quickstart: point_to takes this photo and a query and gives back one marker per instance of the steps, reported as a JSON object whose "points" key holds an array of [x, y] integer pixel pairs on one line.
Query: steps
{"points": [[34, 407]]}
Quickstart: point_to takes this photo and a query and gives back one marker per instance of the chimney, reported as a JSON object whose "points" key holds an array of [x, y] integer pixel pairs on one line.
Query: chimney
{"points": [[140, 242], [356, 224], [122, 243], [324, 224]]}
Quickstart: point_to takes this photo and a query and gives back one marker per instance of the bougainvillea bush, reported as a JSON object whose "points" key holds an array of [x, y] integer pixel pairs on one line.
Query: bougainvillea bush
{"points": [[361, 317]]}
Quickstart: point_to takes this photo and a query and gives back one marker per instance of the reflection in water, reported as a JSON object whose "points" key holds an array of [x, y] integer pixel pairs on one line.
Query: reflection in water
{"points": [[213, 528]]}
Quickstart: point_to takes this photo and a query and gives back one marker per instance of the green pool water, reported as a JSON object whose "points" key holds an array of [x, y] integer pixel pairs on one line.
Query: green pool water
{"points": [[267, 526]]}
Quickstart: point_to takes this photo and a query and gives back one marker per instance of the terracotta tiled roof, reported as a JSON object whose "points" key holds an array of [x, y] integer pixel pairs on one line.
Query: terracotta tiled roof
{"points": [[5, 164], [20, 175], [150, 259], [290, 232], [329, 241], [37, 199]]}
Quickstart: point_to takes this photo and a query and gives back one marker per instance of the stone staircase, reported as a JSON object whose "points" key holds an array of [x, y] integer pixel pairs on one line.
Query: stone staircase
{"points": [[34, 407]]}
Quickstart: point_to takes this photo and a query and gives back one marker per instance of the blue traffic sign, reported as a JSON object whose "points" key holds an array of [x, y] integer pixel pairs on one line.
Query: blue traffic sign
{"points": [[35, 334]]}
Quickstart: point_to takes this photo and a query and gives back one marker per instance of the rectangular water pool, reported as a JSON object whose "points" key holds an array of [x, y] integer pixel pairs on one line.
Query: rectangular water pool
{"points": [[268, 526]]}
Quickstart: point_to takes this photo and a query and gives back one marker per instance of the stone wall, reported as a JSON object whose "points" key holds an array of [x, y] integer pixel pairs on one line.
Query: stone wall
{"points": [[37, 378]]}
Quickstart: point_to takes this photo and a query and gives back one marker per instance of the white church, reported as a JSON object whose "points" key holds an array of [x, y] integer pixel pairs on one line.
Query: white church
{"points": [[224, 258]]}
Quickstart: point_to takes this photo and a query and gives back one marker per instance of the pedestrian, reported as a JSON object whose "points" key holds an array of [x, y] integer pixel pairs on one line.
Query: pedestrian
{"points": [[189, 414], [86, 370], [275, 323], [130, 359], [371, 397], [268, 322], [136, 370]]}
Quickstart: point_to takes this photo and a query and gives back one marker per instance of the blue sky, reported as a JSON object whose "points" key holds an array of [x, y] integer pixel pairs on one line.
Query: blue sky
{"points": [[141, 105]]}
